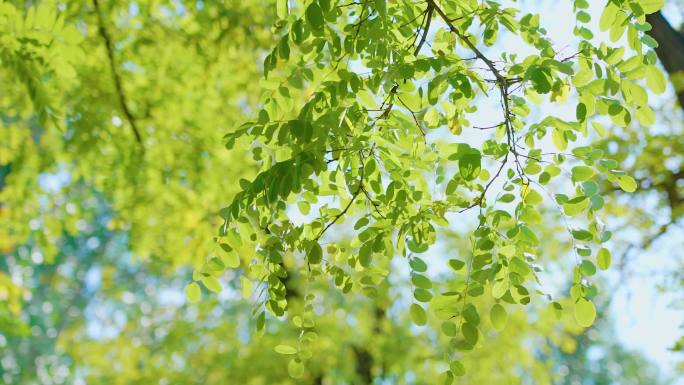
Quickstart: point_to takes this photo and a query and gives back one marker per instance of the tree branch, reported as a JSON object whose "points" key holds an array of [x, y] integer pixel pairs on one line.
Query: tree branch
{"points": [[426, 29], [116, 76]]}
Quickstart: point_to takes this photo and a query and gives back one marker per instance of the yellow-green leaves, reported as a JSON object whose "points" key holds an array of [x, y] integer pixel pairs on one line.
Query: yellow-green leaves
{"points": [[608, 16], [532, 197], [559, 139], [645, 115], [576, 205], [432, 117], [603, 258], [285, 349], [352, 131], [627, 183], [582, 173], [498, 316], [211, 283], [418, 315], [585, 312], [193, 292], [295, 368], [282, 9], [651, 6], [230, 257], [246, 287], [655, 80], [457, 368], [499, 289], [519, 266]]}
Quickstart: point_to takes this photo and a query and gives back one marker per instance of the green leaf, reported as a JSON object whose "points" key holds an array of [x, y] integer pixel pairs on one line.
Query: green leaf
{"points": [[431, 117], [507, 251], [211, 283], [649, 41], [421, 281], [418, 315], [285, 349], [193, 292], [304, 207], [366, 99], [655, 80], [469, 165], [231, 259], [216, 264], [449, 329], [314, 16], [520, 267], [445, 378], [363, 221], [315, 254], [651, 6], [585, 312], [603, 259], [645, 115], [457, 368], [499, 289], [456, 264], [582, 173], [541, 79], [381, 6], [608, 16], [436, 88], [587, 268], [627, 183], [581, 112], [295, 368], [559, 140], [470, 333], [281, 9], [246, 287], [370, 167], [590, 188], [498, 316], [418, 265], [422, 295], [576, 206], [365, 254]]}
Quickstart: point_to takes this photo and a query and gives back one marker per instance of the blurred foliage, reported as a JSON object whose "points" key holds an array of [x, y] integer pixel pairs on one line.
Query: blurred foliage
{"points": [[112, 173]]}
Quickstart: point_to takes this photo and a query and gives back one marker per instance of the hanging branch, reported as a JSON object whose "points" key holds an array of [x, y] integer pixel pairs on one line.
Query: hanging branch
{"points": [[123, 102], [502, 82], [426, 28]]}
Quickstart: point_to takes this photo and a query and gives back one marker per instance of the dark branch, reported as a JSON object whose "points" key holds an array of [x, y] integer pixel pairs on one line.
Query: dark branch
{"points": [[426, 29], [115, 74]]}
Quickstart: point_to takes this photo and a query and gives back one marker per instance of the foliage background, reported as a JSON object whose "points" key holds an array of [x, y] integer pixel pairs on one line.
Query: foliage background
{"points": [[100, 230]]}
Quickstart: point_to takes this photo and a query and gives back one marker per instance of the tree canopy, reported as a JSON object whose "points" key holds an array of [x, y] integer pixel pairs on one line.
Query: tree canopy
{"points": [[321, 192]]}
